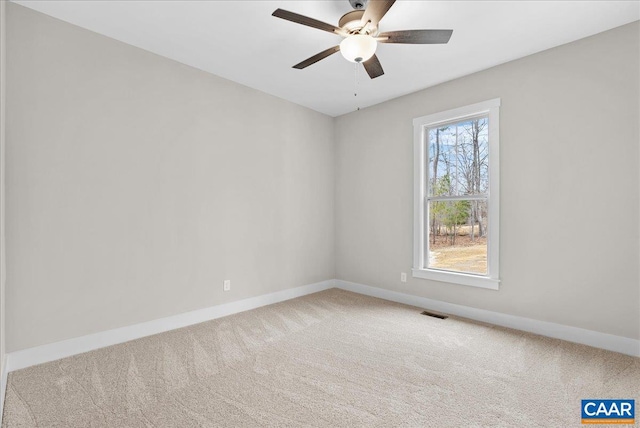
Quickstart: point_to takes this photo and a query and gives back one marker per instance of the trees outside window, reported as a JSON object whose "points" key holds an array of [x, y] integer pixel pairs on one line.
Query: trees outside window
{"points": [[458, 162]]}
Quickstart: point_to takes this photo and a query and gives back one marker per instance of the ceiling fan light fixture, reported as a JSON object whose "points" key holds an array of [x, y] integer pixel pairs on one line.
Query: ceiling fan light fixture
{"points": [[360, 27], [358, 47]]}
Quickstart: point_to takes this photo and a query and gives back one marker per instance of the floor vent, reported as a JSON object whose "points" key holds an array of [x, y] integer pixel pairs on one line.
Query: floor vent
{"points": [[434, 315]]}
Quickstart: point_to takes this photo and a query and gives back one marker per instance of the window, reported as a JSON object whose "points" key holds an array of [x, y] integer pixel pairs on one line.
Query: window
{"points": [[456, 195]]}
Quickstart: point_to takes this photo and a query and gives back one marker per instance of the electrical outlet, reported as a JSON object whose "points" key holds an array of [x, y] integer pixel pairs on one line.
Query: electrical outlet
{"points": [[403, 277], [226, 285]]}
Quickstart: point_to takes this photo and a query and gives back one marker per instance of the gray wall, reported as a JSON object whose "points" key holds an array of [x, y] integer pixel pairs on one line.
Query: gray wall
{"points": [[569, 190], [3, 269], [136, 185]]}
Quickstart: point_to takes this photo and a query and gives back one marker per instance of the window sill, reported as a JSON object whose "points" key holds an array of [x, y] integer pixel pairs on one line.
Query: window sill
{"points": [[457, 278]]}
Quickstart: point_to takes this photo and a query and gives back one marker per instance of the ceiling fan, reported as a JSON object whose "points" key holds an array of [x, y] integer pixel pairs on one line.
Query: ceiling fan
{"points": [[361, 36]]}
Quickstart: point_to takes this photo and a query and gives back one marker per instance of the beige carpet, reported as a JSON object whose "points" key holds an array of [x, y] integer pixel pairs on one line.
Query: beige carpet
{"points": [[330, 359]]}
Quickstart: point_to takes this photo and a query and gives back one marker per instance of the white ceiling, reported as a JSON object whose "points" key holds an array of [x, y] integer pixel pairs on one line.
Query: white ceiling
{"points": [[241, 41]]}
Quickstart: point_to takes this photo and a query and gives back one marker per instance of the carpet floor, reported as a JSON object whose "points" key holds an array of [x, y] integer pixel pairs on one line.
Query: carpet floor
{"points": [[330, 359]]}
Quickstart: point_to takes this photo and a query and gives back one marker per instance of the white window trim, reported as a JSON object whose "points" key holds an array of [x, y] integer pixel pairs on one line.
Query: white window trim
{"points": [[420, 124]]}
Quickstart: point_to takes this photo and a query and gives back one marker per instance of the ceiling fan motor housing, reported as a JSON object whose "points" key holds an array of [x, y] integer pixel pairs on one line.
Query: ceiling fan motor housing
{"points": [[352, 23]]}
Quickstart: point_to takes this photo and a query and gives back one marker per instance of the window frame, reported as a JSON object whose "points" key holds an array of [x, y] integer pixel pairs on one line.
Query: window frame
{"points": [[490, 108]]}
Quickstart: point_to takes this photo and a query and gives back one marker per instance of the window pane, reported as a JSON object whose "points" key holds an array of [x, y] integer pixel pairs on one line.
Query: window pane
{"points": [[457, 236], [459, 158]]}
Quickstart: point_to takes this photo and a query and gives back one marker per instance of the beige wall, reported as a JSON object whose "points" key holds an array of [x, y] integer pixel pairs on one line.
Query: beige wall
{"points": [[569, 169], [136, 185], [3, 270]]}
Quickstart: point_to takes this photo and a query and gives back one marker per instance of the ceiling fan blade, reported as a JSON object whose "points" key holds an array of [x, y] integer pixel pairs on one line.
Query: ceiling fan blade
{"points": [[317, 57], [373, 67], [419, 37], [305, 20], [375, 10]]}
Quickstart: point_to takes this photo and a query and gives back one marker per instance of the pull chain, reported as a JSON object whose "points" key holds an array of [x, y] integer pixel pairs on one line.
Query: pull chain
{"points": [[355, 84]]}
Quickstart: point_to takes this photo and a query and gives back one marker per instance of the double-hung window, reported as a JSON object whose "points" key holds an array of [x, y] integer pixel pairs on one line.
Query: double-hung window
{"points": [[456, 195]]}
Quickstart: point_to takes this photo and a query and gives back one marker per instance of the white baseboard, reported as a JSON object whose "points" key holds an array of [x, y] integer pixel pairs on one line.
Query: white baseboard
{"points": [[41, 354], [596, 339]]}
